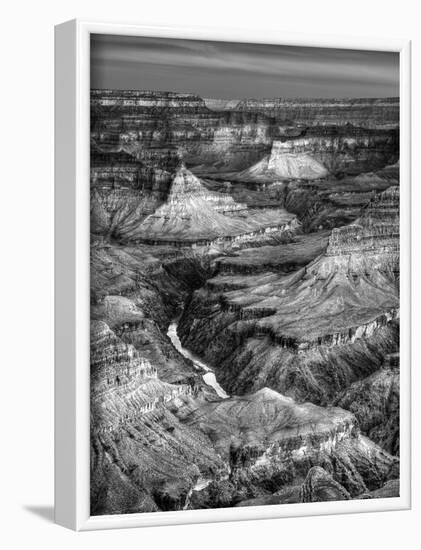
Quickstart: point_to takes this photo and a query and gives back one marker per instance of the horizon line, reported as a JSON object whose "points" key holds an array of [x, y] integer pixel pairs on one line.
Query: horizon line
{"points": [[245, 97]]}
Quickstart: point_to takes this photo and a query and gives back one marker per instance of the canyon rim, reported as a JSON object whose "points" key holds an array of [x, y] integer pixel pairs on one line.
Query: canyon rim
{"points": [[244, 219]]}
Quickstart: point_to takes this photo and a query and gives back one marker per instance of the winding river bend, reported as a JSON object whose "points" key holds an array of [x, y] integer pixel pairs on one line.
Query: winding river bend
{"points": [[209, 376]]}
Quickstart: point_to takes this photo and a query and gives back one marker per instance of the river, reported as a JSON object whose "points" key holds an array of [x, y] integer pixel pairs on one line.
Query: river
{"points": [[209, 376]]}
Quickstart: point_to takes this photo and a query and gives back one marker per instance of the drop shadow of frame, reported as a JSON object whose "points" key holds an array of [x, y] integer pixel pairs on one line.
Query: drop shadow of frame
{"points": [[44, 512]]}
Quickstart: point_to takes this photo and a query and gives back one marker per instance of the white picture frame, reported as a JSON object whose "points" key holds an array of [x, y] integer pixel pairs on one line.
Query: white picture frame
{"points": [[72, 69]]}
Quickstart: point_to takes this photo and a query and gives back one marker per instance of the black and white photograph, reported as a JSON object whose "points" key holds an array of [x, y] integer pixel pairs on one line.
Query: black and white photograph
{"points": [[210, 275], [244, 274]]}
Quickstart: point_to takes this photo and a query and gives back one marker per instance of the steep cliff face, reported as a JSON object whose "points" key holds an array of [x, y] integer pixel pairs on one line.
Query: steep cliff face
{"points": [[124, 385], [127, 185], [334, 203], [371, 113], [282, 258], [142, 459], [135, 121], [154, 127], [148, 172], [375, 403], [294, 332], [348, 150]]}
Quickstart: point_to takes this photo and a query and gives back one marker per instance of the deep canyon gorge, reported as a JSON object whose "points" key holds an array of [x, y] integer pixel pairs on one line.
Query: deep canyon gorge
{"points": [[244, 301]]}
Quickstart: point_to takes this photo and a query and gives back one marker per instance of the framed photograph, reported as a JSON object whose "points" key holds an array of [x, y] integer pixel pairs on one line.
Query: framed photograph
{"points": [[232, 275]]}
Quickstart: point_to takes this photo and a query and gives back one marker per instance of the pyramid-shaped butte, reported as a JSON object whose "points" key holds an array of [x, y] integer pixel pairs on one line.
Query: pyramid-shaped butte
{"points": [[192, 214], [187, 185]]}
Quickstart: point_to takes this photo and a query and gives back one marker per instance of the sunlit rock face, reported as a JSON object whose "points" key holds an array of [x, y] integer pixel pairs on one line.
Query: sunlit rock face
{"points": [[194, 216], [347, 150], [324, 151], [289, 163], [285, 163], [124, 385]]}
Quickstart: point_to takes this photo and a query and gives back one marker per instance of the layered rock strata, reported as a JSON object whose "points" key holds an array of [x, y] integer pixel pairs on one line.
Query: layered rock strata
{"points": [[283, 258], [139, 139], [369, 112], [269, 440], [290, 325], [142, 458], [138, 121], [319, 486], [295, 331], [334, 203], [153, 128], [192, 215], [162, 441], [325, 151]]}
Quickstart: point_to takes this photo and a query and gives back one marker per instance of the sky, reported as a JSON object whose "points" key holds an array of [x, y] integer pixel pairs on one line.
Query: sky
{"points": [[229, 70]]}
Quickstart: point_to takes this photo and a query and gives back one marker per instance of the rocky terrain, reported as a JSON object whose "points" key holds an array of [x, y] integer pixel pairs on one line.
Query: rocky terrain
{"points": [[244, 301], [363, 113], [375, 403], [193, 215]]}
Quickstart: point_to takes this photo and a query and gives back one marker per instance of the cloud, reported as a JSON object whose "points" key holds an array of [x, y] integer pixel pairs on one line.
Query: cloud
{"points": [[265, 66]]}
